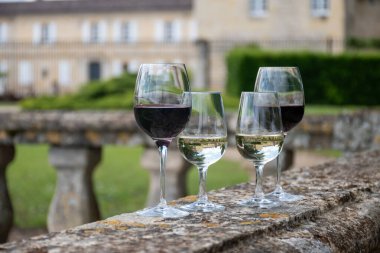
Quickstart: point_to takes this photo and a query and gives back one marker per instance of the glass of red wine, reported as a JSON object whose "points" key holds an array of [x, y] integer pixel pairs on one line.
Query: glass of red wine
{"points": [[287, 82], [162, 108]]}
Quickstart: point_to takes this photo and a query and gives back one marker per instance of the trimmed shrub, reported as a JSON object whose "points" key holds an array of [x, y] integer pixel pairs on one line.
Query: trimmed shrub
{"points": [[116, 93], [328, 79]]}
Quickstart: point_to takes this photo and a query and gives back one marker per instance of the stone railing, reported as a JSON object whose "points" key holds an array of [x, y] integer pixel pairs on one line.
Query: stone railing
{"points": [[76, 140], [340, 213]]}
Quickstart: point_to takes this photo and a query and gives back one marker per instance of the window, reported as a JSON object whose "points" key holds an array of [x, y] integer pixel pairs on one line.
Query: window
{"points": [[126, 32], [320, 8], [258, 8], [94, 32], [168, 31], [3, 32], [44, 33]]}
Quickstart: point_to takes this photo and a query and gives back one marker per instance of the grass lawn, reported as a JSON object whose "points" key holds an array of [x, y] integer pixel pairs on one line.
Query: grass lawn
{"points": [[331, 109], [121, 184]]}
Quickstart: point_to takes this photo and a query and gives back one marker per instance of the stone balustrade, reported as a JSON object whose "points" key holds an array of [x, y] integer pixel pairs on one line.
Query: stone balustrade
{"points": [[340, 213], [76, 140]]}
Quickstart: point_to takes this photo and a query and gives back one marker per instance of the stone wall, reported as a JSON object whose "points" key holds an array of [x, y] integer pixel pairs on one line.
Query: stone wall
{"points": [[76, 140], [340, 213]]}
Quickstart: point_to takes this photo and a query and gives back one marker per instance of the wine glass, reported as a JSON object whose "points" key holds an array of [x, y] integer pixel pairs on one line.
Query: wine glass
{"points": [[286, 81], [162, 108], [203, 142], [259, 137]]}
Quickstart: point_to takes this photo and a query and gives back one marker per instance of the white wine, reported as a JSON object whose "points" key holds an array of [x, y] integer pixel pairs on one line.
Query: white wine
{"points": [[202, 151], [259, 148]]}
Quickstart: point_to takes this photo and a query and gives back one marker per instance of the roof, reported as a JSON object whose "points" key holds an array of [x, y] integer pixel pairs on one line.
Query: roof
{"points": [[85, 6]]}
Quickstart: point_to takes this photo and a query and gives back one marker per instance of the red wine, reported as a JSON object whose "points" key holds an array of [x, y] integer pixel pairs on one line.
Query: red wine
{"points": [[162, 122], [291, 116]]}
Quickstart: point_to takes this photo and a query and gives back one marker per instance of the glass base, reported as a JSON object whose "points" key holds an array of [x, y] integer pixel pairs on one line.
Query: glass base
{"points": [[260, 203], [163, 211], [205, 207], [284, 196]]}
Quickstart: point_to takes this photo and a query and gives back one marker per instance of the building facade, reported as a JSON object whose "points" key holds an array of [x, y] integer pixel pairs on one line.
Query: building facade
{"points": [[50, 46]]}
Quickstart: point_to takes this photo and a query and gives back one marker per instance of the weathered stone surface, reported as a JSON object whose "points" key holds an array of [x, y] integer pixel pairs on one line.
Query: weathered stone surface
{"points": [[7, 153], [347, 132], [74, 202], [357, 131], [82, 128], [340, 213]]}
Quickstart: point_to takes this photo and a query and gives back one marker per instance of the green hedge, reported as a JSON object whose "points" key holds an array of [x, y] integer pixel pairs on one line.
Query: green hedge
{"points": [[116, 93], [328, 79]]}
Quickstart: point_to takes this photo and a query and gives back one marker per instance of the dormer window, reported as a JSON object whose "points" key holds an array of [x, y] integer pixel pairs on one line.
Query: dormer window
{"points": [[320, 8], [258, 8]]}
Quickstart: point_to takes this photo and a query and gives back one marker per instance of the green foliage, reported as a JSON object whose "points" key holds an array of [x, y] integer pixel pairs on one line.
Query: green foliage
{"points": [[359, 43], [230, 102], [328, 79], [109, 94]]}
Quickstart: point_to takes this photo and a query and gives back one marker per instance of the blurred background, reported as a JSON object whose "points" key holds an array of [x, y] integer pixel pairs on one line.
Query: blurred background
{"points": [[84, 55]]}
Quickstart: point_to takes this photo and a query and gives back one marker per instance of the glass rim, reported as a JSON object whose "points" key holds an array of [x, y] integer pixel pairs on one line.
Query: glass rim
{"points": [[204, 92], [166, 63], [279, 67], [259, 92]]}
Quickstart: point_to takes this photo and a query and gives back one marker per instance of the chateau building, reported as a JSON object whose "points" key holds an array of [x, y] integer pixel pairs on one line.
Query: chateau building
{"points": [[47, 46]]}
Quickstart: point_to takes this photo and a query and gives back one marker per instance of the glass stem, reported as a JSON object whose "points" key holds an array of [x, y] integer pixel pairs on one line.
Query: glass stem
{"points": [[163, 150], [278, 189], [259, 193], [202, 194]]}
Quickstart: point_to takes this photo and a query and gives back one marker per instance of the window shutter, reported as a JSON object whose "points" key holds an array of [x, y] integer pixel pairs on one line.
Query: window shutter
{"points": [[25, 74], [177, 30], [36, 33], [3, 78], [102, 31], [193, 30], [3, 32], [86, 31], [159, 30], [52, 33], [64, 73], [117, 68], [116, 31], [133, 31], [133, 66]]}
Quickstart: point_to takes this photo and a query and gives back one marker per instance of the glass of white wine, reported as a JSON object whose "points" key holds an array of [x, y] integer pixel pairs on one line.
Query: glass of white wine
{"points": [[259, 137], [203, 142]]}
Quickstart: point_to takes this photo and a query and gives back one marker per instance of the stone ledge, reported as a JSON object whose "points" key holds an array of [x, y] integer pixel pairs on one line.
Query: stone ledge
{"points": [[341, 213]]}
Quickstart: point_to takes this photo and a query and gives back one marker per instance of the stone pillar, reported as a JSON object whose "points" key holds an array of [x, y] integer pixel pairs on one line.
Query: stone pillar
{"points": [[176, 169], [7, 153], [202, 70], [74, 202]]}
